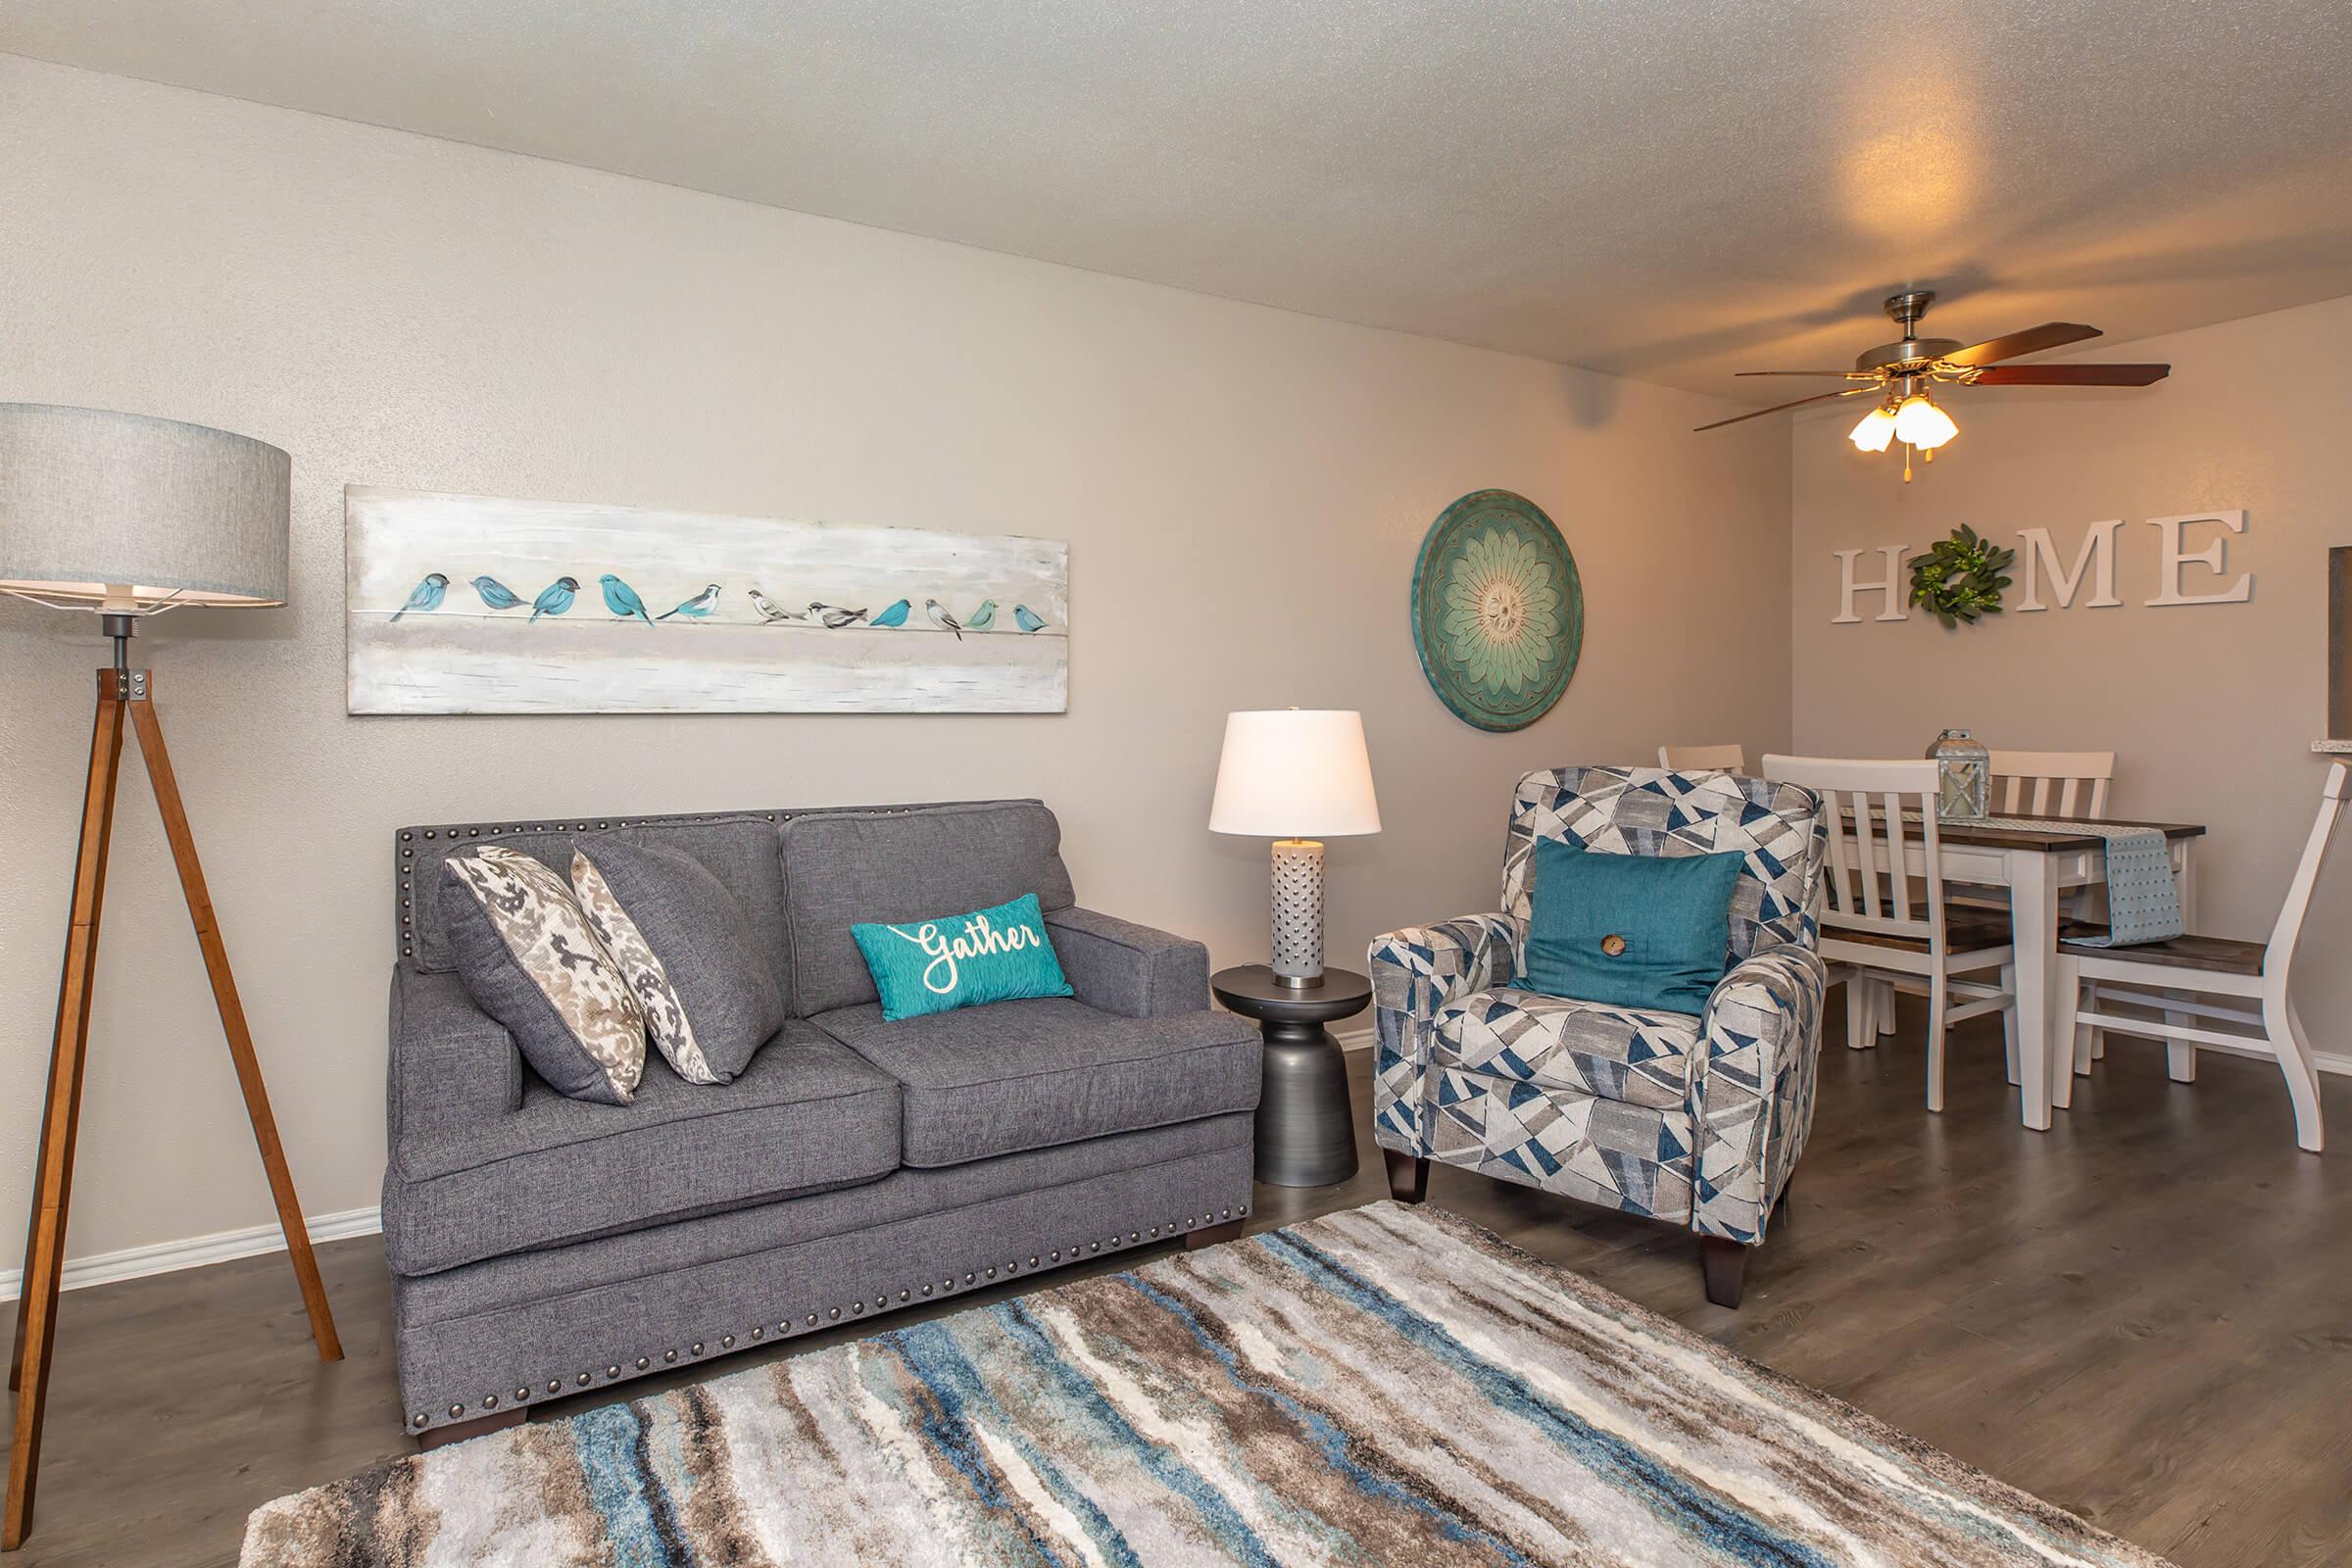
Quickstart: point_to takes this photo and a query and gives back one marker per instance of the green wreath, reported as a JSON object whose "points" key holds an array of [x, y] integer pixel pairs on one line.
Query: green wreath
{"points": [[1961, 579]]}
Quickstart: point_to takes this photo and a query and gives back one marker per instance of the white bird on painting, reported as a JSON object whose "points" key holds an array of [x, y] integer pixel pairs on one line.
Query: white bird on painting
{"points": [[694, 608], [942, 619], [775, 613], [834, 617]]}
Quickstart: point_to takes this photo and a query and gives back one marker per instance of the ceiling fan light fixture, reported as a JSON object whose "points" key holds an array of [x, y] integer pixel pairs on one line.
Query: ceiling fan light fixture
{"points": [[1876, 432], [1919, 422]]}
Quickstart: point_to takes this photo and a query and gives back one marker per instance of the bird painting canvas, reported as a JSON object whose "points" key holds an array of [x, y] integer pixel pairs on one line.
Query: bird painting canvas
{"points": [[690, 611]]}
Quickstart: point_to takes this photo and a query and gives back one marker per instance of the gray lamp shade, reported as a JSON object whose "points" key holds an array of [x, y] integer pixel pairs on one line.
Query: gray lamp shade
{"points": [[123, 510]]}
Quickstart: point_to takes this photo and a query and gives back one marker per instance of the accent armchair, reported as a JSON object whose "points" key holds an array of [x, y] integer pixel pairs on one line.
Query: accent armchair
{"points": [[1695, 1119]]}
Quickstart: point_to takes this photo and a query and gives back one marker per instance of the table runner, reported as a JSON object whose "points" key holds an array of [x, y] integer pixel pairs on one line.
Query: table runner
{"points": [[2143, 902]]}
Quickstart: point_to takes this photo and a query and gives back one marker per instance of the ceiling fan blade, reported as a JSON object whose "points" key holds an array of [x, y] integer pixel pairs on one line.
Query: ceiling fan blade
{"points": [[2033, 340], [1818, 397], [1799, 373], [2071, 375]]}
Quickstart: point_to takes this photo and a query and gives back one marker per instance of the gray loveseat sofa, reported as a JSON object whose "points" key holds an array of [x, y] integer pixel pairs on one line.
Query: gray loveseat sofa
{"points": [[544, 1247]]}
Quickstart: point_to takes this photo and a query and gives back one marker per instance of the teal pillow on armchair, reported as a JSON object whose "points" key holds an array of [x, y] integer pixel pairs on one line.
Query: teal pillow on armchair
{"points": [[1642, 931]]}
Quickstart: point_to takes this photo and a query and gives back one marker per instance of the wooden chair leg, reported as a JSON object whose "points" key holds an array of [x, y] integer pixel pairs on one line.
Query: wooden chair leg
{"points": [[1408, 1177], [1211, 1234], [2285, 1026], [1883, 1007], [1860, 1030], [232, 1024], [462, 1431], [2181, 1059], [2009, 1020], [53, 1182], [1939, 996], [1723, 1265]]}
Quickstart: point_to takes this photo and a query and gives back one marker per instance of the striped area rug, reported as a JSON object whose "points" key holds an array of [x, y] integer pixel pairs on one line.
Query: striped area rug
{"points": [[1386, 1386]]}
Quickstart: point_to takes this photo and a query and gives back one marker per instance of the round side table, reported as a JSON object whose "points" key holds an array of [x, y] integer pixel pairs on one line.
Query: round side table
{"points": [[1306, 1121]]}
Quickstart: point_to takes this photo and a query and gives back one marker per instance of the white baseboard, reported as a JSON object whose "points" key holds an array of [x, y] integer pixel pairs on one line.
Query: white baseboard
{"points": [[163, 1257]]}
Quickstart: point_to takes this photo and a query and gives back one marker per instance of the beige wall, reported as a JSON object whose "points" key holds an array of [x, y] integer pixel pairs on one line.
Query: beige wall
{"points": [[2211, 709], [1243, 490]]}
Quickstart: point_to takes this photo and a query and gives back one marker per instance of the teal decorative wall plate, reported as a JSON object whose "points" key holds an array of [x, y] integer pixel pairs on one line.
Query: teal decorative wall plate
{"points": [[1499, 611]]}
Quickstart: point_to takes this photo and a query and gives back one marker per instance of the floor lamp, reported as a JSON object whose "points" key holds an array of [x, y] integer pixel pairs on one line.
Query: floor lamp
{"points": [[128, 516]]}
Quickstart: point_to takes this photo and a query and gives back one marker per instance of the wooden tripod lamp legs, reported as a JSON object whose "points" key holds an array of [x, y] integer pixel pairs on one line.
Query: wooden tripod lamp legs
{"points": [[53, 1180]]}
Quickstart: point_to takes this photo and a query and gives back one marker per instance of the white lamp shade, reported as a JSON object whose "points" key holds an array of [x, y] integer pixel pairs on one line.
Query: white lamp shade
{"points": [[125, 509], [1294, 774]]}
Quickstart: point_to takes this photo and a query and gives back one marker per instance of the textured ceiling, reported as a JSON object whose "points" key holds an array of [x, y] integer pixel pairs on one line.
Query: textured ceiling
{"points": [[1671, 189]]}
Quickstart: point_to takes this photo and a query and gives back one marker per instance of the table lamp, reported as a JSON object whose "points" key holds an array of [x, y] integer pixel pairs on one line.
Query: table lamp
{"points": [[127, 516], [1285, 775]]}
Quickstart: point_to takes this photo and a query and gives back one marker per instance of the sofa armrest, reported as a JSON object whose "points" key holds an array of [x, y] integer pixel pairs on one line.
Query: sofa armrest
{"points": [[1415, 972], [1751, 1090], [451, 1064], [1126, 968]]}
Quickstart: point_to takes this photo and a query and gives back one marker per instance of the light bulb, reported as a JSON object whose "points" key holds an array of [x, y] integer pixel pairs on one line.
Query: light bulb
{"points": [[1876, 432], [1921, 423]]}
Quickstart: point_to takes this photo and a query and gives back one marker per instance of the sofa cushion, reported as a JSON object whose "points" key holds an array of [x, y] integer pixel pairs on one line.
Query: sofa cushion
{"points": [[684, 942], [806, 1115], [1012, 1075], [844, 867], [1622, 1054], [739, 850], [531, 960]]}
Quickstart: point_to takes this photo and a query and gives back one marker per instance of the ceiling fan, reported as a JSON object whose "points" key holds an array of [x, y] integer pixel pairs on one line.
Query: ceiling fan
{"points": [[1902, 374]]}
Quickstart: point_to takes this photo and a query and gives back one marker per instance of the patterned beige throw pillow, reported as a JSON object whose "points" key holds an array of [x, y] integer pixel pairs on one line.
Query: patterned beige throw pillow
{"points": [[665, 1014], [534, 963]]}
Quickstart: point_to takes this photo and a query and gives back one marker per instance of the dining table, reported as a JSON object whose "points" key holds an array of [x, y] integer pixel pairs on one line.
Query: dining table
{"points": [[2038, 861]]}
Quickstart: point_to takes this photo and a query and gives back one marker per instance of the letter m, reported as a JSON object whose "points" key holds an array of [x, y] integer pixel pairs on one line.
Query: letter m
{"points": [[2098, 551]]}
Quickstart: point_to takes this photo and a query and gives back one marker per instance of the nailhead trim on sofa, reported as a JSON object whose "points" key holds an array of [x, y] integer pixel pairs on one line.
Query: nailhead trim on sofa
{"points": [[613, 1371]]}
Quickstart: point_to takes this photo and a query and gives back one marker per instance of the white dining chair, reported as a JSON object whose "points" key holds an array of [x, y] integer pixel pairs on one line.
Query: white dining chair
{"points": [[2215, 979], [1702, 758], [2051, 784], [1882, 923]]}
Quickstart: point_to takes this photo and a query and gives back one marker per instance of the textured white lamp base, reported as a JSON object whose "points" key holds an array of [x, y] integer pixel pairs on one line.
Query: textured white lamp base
{"points": [[1297, 912]]}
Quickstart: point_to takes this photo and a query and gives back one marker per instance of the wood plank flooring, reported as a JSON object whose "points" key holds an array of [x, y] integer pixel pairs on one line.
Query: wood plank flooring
{"points": [[2144, 1315]]}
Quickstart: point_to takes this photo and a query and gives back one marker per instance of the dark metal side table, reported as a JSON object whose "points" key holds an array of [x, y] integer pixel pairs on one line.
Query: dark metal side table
{"points": [[1306, 1121]]}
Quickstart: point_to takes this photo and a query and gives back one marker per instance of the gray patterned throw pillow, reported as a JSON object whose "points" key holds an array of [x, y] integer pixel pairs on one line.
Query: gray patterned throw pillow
{"points": [[532, 961], [685, 944]]}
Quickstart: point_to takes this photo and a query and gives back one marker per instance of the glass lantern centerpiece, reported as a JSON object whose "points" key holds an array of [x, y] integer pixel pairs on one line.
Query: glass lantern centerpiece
{"points": [[1963, 777]]}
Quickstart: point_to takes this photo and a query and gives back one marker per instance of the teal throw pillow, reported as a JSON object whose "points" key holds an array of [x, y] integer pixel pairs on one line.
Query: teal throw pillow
{"points": [[960, 961], [1640, 931]]}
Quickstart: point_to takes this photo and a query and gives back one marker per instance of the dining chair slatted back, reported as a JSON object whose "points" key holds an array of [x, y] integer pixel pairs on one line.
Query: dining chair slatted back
{"points": [[2072, 785], [1886, 918], [2186, 985], [1871, 887], [1702, 758]]}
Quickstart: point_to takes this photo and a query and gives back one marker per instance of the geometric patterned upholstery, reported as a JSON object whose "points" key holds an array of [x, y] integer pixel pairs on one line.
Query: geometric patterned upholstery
{"points": [[1639, 1057], [1699, 1119], [1647, 811]]}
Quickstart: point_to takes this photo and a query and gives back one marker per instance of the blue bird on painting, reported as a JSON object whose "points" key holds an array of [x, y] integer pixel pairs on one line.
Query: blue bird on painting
{"points": [[497, 595], [427, 595], [982, 618], [555, 598], [895, 615], [622, 600], [1026, 618], [694, 608]]}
